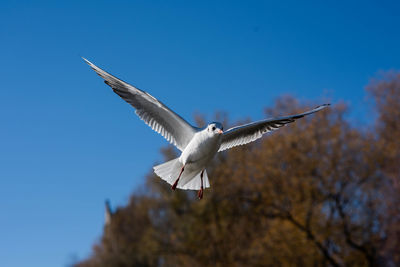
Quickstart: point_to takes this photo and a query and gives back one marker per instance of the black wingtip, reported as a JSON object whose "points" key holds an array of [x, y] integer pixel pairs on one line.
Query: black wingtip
{"points": [[322, 106]]}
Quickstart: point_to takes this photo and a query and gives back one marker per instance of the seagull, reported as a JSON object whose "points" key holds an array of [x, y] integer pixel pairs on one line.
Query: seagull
{"points": [[198, 146]]}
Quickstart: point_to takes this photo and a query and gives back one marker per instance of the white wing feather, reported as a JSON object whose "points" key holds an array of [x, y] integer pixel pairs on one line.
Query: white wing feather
{"points": [[154, 113], [247, 133]]}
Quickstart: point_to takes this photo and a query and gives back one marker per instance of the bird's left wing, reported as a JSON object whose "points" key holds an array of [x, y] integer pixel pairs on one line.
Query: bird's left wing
{"points": [[154, 113], [247, 133]]}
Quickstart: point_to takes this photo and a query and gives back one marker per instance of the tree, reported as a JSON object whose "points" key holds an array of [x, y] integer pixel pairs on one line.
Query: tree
{"points": [[386, 95]]}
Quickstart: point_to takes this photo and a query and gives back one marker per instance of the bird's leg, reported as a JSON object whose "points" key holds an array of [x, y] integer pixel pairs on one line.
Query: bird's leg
{"points": [[200, 193], [177, 180]]}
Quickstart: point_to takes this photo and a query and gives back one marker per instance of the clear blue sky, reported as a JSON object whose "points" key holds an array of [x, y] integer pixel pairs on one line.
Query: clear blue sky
{"points": [[68, 142]]}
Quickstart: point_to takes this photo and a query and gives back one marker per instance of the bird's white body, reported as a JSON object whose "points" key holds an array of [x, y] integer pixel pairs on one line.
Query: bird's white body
{"points": [[195, 157], [198, 146], [201, 149]]}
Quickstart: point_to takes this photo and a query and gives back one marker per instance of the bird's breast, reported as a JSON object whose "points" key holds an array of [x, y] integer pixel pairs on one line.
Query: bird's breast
{"points": [[200, 148]]}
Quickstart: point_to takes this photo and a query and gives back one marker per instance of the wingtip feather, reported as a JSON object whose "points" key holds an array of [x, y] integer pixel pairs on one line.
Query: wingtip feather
{"points": [[322, 106], [325, 105], [87, 61], [94, 67]]}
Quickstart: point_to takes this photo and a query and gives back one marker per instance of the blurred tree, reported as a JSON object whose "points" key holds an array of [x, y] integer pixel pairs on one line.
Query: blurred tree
{"points": [[386, 96], [317, 192]]}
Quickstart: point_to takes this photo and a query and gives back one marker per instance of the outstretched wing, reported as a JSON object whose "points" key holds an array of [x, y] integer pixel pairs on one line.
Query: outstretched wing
{"points": [[247, 133], [154, 113]]}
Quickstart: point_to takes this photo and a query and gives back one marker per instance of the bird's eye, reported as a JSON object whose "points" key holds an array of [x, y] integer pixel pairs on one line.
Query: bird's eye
{"points": [[213, 128]]}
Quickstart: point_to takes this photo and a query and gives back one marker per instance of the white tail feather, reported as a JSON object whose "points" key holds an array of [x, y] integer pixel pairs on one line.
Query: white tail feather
{"points": [[195, 183], [165, 170], [190, 179]]}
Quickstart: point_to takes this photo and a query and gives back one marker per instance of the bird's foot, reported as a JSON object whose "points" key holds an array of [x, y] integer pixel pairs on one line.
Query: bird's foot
{"points": [[177, 180], [175, 184], [200, 193]]}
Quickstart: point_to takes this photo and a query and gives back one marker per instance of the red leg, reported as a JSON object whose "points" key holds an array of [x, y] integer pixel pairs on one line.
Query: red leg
{"points": [[177, 180], [200, 193]]}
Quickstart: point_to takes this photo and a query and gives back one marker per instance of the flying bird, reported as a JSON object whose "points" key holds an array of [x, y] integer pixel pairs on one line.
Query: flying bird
{"points": [[197, 145]]}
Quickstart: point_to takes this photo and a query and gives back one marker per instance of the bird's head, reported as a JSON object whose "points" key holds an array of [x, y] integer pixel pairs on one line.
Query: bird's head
{"points": [[215, 128]]}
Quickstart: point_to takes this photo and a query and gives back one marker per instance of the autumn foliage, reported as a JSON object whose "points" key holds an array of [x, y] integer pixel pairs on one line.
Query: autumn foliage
{"points": [[317, 192]]}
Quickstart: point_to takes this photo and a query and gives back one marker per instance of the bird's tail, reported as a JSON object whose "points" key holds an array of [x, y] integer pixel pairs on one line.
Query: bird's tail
{"points": [[190, 180], [169, 170]]}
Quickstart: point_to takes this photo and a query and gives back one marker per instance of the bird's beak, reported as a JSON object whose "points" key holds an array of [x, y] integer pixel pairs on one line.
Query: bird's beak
{"points": [[220, 131]]}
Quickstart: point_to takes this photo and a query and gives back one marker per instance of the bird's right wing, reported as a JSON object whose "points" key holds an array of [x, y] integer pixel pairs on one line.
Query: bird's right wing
{"points": [[247, 133], [154, 113]]}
